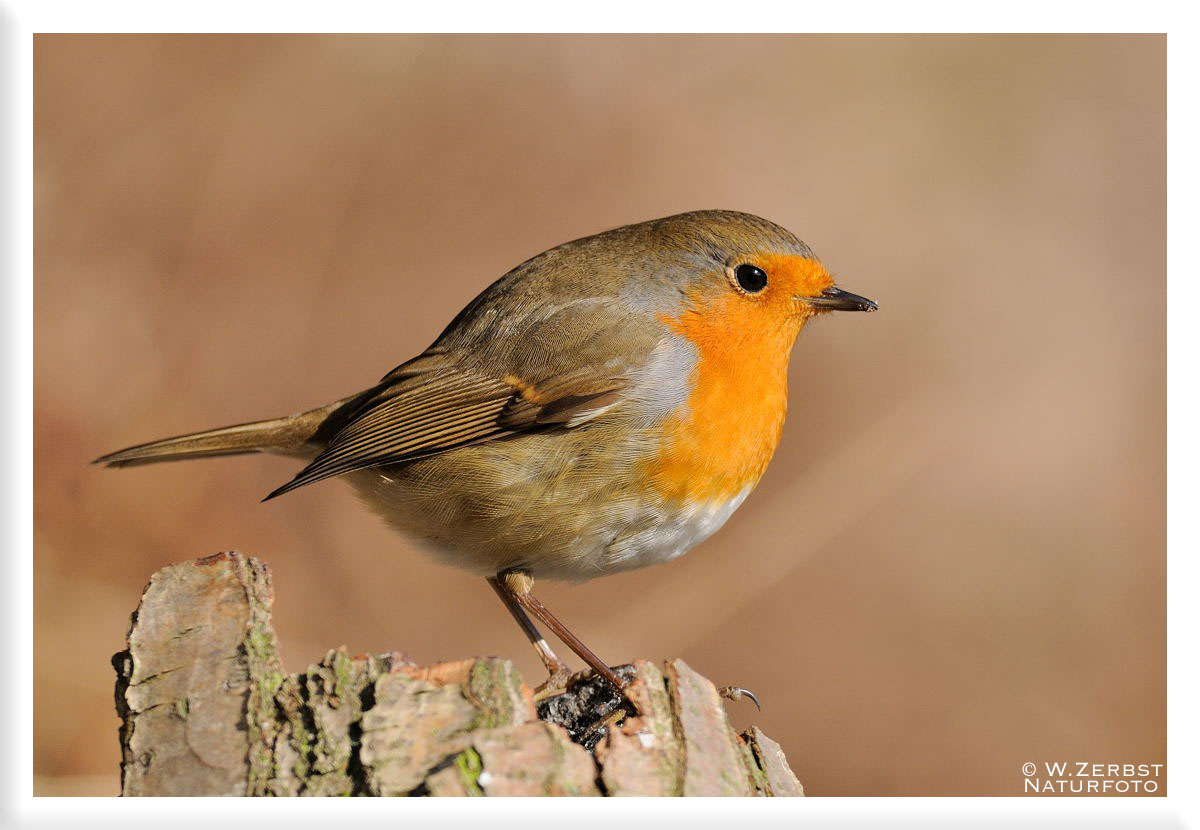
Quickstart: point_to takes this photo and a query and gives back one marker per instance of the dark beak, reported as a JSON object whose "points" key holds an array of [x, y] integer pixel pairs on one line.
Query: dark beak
{"points": [[835, 299]]}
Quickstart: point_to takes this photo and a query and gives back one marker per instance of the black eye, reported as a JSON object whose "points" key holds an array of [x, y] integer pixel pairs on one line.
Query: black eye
{"points": [[750, 277]]}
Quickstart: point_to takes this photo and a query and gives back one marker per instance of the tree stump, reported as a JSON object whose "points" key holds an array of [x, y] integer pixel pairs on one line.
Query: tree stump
{"points": [[207, 709]]}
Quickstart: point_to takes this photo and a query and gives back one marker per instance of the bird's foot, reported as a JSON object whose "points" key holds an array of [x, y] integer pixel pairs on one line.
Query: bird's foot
{"points": [[589, 705], [737, 693], [553, 685]]}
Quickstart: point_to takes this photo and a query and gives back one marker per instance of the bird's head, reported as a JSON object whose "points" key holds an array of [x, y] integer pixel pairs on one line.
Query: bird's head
{"points": [[745, 280]]}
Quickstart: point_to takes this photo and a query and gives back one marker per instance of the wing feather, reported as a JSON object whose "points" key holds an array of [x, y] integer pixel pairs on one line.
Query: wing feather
{"points": [[547, 367], [417, 416]]}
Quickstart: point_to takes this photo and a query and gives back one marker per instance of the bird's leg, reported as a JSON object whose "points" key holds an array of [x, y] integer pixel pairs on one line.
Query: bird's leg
{"points": [[519, 585], [555, 667]]}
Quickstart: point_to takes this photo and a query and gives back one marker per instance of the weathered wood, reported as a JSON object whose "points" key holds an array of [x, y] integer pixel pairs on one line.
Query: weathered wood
{"points": [[198, 680], [207, 709]]}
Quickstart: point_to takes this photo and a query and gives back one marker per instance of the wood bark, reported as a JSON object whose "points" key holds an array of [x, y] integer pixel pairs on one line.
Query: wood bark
{"points": [[207, 708]]}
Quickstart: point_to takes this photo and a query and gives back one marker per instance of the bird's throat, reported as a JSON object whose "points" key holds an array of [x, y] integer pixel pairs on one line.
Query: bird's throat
{"points": [[720, 441]]}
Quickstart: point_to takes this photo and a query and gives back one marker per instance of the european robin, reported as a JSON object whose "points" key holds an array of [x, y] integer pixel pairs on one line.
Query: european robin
{"points": [[605, 405]]}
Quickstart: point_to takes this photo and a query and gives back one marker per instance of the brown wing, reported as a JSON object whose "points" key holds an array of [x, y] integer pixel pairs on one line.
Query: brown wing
{"points": [[542, 365], [429, 406]]}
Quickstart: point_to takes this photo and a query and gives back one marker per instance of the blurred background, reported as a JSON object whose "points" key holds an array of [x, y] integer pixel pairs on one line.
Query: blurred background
{"points": [[956, 562]]}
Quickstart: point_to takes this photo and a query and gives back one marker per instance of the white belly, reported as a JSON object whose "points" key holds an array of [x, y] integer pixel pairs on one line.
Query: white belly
{"points": [[665, 533], [556, 512]]}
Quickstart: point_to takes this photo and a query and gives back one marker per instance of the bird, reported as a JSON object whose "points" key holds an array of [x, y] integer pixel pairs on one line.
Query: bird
{"points": [[605, 405]]}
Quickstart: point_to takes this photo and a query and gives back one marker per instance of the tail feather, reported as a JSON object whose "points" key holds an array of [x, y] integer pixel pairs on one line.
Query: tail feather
{"points": [[288, 435]]}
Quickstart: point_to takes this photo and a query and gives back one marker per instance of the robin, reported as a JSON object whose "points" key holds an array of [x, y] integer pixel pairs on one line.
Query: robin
{"points": [[605, 405]]}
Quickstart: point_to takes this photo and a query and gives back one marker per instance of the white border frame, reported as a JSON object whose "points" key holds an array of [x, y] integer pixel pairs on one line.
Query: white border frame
{"points": [[19, 808]]}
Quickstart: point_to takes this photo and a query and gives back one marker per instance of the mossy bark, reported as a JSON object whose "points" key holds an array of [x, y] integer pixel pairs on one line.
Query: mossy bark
{"points": [[207, 709]]}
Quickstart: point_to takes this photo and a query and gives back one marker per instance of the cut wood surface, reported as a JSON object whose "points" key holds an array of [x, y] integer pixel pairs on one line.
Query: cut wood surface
{"points": [[208, 709]]}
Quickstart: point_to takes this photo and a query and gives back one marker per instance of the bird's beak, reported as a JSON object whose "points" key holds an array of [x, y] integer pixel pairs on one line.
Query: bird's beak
{"points": [[835, 299]]}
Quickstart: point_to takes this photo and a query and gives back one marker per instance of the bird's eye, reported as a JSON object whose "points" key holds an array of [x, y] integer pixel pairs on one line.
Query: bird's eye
{"points": [[750, 277]]}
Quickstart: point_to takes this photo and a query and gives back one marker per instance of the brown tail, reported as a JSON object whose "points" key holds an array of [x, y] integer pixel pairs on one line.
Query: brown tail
{"points": [[286, 436]]}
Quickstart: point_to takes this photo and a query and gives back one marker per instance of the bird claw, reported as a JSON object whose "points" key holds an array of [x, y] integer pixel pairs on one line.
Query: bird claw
{"points": [[612, 719], [737, 693], [555, 684]]}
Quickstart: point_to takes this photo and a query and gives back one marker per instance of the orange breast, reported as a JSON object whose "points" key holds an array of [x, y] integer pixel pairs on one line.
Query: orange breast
{"points": [[721, 442]]}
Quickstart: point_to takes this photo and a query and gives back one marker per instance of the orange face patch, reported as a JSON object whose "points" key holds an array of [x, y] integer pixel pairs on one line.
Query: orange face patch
{"points": [[790, 276], [723, 439]]}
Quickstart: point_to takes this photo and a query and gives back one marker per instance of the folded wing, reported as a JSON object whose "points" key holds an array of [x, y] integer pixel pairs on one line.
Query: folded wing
{"points": [[425, 411]]}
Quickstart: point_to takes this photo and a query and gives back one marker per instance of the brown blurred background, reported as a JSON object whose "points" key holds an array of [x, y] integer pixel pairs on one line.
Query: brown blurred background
{"points": [[957, 561]]}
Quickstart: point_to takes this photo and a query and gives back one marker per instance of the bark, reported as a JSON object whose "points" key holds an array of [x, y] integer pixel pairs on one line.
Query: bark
{"points": [[207, 709]]}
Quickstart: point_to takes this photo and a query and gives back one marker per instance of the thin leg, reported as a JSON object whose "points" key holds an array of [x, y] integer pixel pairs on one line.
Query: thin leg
{"points": [[554, 666], [520, 584]]}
